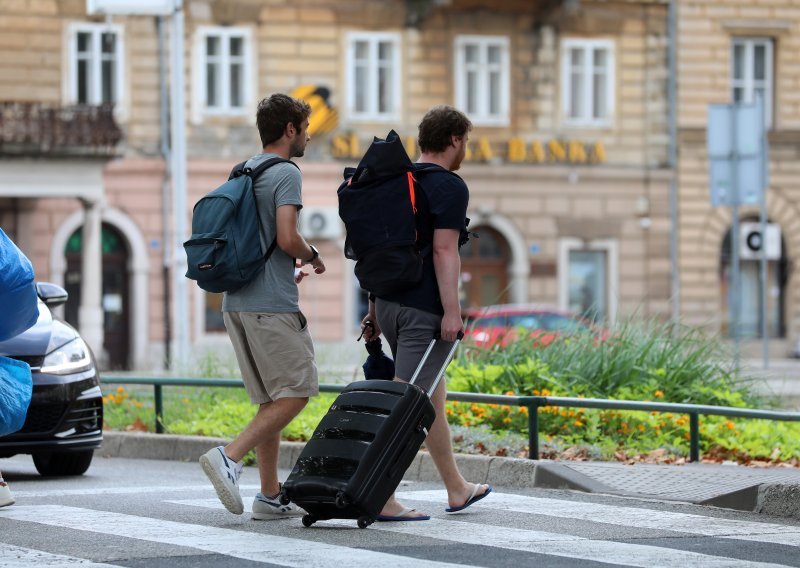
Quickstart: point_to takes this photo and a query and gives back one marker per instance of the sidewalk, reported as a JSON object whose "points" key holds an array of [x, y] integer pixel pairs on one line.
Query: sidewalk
{"points": [[780, 378], [772, 491]]}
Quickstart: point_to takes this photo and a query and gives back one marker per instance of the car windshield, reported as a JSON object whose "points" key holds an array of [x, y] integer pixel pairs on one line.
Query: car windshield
{"points": [[546, 321], [557, 322], [490, 321]]}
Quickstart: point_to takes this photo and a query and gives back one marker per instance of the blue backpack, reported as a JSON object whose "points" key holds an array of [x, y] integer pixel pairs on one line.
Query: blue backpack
{"points": [[224, 252]]}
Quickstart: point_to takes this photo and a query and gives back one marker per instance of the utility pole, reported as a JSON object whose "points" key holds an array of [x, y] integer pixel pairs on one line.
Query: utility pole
{"points": [[178, 129]]}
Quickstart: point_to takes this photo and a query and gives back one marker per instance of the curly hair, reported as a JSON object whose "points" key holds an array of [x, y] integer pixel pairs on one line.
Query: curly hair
{"points": [[438, 125], [275, 112]]}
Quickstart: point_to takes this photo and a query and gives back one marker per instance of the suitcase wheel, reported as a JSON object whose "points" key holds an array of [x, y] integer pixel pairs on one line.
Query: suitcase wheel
{"points": [[364, 522], [309, 520], [342, 501]]}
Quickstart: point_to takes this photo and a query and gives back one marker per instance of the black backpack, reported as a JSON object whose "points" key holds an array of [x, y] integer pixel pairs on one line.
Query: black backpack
{"points": [[224, 252], [380, 204]]}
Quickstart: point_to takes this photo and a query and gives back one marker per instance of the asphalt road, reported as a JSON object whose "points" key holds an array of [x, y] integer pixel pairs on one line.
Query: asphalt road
{"points": [[165, 514]]}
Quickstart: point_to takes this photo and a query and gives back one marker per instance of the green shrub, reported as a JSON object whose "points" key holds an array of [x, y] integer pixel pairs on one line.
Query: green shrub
{"points": [[639, 361]]}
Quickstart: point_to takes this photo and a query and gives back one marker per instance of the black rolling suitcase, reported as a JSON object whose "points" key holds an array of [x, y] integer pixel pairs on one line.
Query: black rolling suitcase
{"points": [[361, 449]]}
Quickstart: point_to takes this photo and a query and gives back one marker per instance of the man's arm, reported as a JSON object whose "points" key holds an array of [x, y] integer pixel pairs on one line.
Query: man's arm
{"points": [[291, 241], [447, 265]]}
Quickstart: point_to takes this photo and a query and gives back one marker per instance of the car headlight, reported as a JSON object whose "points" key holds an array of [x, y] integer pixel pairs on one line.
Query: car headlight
{"points": [[69, 358]]}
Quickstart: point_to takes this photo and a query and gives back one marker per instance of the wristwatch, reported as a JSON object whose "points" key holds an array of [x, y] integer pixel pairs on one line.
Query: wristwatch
{"points": [[314, 254]]}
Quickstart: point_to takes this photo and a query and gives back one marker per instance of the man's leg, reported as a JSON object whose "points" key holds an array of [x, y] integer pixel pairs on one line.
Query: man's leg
{"points": [[264, 434], [440, 446]]}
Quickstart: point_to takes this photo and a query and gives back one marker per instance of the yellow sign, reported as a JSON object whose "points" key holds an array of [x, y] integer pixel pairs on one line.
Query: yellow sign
{"points": [[324, 117], [553, 151], [556, 151]]}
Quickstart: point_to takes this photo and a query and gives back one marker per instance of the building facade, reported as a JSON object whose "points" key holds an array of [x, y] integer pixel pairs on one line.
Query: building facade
{"points": [[566, 166], [737, 52]]}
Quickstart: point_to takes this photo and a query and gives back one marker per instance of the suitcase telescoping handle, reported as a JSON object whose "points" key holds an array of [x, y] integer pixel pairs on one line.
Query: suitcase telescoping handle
{"points": [[445, 363]]}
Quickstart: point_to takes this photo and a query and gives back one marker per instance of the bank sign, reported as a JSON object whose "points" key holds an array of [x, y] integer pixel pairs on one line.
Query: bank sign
{"points": [[516, 150], [349, 146]]}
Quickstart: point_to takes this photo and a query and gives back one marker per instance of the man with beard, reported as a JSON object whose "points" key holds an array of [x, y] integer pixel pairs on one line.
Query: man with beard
{"points": [[269, 333], [410, 318]]}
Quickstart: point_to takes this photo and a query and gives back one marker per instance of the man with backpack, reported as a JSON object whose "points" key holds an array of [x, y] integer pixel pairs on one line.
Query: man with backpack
{"points": [[409, 318], [269, 333]]}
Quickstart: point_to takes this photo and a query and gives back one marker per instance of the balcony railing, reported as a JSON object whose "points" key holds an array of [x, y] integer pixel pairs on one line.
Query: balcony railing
{"points": [[35, 129]]}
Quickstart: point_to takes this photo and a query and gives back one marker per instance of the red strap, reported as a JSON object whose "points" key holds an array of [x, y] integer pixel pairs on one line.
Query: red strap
{"points": [[412, 194]]}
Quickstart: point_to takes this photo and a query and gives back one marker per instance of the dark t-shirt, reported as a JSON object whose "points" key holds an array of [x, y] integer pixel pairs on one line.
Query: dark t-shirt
{"points": [[445, 199]]}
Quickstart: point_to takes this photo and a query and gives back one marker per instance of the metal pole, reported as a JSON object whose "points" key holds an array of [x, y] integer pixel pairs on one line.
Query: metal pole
{"points": [[672, 156], [178, 124], [694, 437], [734, 295], [533, 431], [762, 214], [165, 152], [158, 401]]}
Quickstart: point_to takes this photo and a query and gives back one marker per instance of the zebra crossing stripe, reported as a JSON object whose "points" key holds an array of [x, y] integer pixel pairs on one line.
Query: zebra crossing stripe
{"points": [[536, 542], [135, 490], [265, 548], [625, 516], [19, 557]]}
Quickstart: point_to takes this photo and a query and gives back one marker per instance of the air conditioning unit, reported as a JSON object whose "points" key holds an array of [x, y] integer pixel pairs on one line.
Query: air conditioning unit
{"points": [[320, 223], [751, 241]]}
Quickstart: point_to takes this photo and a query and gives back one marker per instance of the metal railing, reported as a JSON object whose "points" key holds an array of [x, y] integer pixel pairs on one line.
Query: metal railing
{"points": [[532, 403]]}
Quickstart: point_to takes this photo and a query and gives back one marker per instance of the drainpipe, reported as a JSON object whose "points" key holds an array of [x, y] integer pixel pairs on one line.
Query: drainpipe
{"points": [[672, 156], [165, 192]]}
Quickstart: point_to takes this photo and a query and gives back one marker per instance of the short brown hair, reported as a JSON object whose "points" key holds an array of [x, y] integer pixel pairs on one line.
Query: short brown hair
{"points": [[275, 112], [438, 125]]}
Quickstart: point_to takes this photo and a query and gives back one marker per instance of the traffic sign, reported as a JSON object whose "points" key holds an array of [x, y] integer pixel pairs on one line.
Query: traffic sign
{"points": [[737, 153]]}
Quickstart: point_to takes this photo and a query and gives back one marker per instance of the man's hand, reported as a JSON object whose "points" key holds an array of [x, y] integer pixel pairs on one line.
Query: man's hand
{"points": [[317, 265], [451, 326], [299, 275], [369, 327]]}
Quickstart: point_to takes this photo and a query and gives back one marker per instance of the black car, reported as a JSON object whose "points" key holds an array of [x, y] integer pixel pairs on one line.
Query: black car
{"points": [[64, 424]]}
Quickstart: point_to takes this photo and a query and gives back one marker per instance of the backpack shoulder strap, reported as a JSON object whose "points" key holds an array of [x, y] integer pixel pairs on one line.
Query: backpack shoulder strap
{"points": [[237, 170], [265, 165], [254, 174], [434, 168]]}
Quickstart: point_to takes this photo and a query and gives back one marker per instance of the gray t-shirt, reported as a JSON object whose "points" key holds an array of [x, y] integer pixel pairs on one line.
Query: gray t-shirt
{"points": [[274, 289]]}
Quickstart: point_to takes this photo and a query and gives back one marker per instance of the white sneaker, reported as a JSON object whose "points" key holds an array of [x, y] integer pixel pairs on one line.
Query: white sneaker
{"points": [[6, 498], [224, 474], [267, 508]]}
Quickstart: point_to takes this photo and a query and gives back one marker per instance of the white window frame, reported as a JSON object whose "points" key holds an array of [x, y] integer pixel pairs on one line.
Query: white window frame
{"points": [[200, 106], [611, 248], [482, 116], [373, 39], [94, 88], [749, 83], [589, 46]]}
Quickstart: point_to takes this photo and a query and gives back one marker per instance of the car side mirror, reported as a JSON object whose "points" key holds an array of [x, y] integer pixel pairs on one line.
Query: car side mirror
{"points": [[51, 294]]}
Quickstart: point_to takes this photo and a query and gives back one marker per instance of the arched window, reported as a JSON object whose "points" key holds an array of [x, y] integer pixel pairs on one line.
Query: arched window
{"points": [[750, 297]]}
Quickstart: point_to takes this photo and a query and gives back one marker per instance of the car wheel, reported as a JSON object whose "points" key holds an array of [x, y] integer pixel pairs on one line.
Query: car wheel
{"points": [[63, 463]]}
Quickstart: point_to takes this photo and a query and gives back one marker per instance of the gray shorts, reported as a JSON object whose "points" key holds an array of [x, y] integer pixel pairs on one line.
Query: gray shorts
{"points": [[409, 331], [275, 354]]}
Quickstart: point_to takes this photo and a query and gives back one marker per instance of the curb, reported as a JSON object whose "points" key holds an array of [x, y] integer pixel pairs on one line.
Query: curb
{"points": [[775, 499]]}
